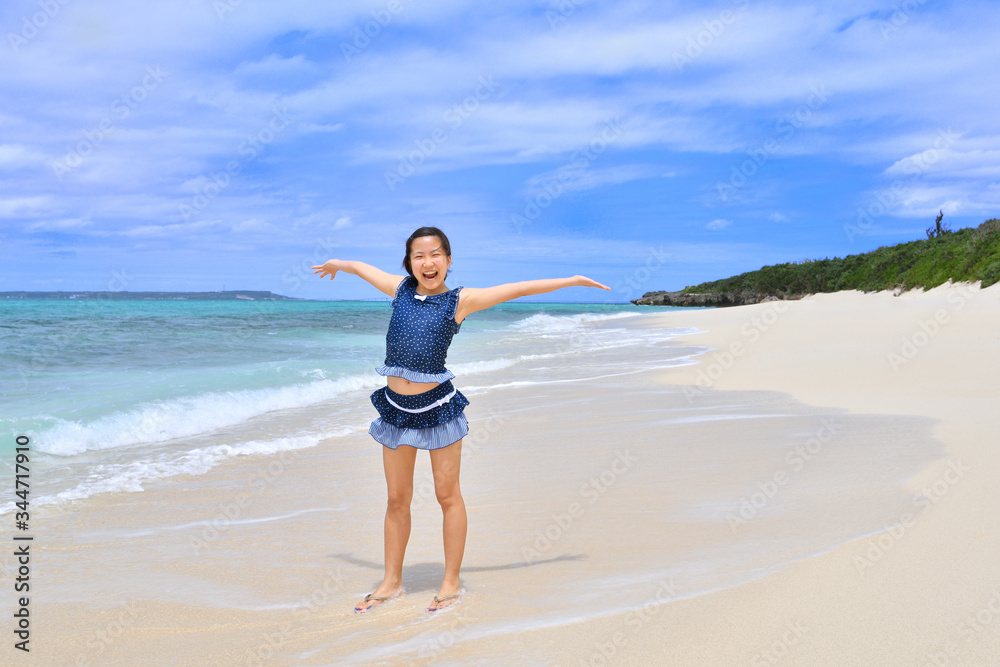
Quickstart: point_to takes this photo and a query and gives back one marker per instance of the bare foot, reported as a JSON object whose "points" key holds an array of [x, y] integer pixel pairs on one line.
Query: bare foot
{"points": [[378, 597]]}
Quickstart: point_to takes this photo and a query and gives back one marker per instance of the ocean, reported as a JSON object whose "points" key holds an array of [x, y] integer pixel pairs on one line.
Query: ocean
{"points": [[114, 394]]}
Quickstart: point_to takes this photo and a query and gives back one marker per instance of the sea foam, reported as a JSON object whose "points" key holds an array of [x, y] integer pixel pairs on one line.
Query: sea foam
{"points": [[188, 416]]}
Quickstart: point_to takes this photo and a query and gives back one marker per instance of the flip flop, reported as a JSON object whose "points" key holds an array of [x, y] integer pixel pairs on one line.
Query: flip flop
{"points": [[377, 600], [446, 597]]}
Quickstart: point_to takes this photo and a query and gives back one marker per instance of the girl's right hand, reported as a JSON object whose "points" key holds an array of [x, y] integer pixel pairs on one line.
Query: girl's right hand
{"points": [[327, 267]]}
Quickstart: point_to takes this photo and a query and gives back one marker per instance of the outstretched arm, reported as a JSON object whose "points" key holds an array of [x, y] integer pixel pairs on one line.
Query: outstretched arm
{"points": [[380, 280], [474, 299]]}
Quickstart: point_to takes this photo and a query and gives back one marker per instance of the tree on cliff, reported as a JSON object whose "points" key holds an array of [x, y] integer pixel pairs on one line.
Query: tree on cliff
{"points": [[938, 229]]}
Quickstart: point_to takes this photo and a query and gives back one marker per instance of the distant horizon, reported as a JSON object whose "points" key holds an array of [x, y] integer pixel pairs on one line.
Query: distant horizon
{"points": [[6, 295]]}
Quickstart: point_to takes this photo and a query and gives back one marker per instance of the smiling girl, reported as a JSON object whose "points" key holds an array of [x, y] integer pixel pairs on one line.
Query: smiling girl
{"points": [[419, 408]]}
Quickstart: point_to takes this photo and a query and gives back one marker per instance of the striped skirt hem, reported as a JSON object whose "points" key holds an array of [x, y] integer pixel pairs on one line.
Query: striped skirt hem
{"points": [[435, 437]]}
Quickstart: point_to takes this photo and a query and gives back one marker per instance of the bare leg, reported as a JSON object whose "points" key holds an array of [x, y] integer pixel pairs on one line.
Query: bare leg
{"points": [[446, 465], [398, 464]]}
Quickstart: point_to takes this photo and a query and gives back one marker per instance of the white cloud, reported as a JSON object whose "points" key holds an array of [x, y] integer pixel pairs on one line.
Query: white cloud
{"points": [[175, 230], [571, 178], [24, 207], [18, 156], [718, 224], [66, 224], [275, 66], [252, 225], [974, 163]]}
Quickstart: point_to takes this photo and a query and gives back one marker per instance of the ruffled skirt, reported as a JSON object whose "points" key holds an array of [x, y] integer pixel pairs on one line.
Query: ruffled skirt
{"points": [[431, 420]]}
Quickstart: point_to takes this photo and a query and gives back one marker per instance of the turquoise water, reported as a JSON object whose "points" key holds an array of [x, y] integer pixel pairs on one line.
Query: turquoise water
{"points": [[114, 393]]}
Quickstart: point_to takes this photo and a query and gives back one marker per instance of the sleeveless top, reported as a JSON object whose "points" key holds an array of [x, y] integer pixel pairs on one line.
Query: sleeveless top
{"points": [[420, 334]]}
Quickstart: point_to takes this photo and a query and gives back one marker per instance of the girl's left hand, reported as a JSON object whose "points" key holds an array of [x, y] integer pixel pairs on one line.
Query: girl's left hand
{"points": [[584, 281]]}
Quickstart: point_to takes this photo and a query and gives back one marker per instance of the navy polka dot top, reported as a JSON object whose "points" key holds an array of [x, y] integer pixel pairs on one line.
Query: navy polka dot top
{"points": [[420, 334]]}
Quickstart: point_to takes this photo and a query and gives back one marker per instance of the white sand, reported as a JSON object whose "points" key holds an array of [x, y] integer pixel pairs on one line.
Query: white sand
{"points": [[620, 582], [927, 592]]}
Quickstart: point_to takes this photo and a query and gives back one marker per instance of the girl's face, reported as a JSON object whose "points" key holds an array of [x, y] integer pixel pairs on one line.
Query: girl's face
{"points": [[428, 262]]}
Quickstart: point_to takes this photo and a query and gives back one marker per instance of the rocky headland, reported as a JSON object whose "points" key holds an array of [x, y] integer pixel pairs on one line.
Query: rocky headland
{"points": [[688, 300]]}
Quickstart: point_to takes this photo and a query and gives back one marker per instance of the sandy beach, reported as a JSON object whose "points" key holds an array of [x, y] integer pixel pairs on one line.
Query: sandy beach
{"points": [[926, 592], [813, 485]]}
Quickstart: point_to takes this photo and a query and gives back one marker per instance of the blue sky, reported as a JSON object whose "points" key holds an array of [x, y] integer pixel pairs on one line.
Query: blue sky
{"points": [[196, 144]]}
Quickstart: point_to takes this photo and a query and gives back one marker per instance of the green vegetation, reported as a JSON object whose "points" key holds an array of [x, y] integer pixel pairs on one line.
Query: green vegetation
{"points": [[966, 255]]}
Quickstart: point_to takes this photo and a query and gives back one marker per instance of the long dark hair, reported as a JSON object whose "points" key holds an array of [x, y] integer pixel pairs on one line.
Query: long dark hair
{"points": [[426, 231]]}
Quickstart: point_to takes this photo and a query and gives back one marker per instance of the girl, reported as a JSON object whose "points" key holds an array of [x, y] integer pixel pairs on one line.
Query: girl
{"points": [[419, 408]]}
